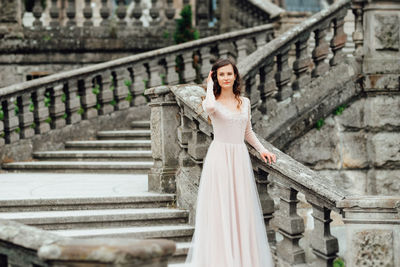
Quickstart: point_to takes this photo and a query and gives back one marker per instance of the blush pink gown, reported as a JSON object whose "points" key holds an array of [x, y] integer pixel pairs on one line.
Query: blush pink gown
{"points": [[229, 226]]}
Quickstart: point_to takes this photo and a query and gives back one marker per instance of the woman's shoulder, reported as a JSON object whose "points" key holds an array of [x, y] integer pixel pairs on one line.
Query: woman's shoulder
{"points": [[245, 99]]}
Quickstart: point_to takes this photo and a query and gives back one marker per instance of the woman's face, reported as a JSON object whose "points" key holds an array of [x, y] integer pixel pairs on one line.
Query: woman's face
{"points": [[226, 76]]}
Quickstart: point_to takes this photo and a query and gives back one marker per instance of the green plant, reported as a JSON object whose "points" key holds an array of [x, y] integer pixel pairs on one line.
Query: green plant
{"points": [[113, 102], [166, 35], [163, 80], [16, 108], [31, 106], [338, 262], [339, 110], [65, 116], [47, 99], [96, 89], [18, 130], [48, 120], [184, 30], [146, 83], [63, 98], [33, 125], [128, 83], [1, 113], [320, 123], [81, 111], [98, 106], [2, 134], [129, 97]]}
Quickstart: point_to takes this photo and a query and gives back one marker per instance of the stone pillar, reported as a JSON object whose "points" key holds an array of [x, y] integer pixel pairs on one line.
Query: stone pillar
{"points": [[225, 15], [164, 122], [381, 46], [10, 17], [373, 230]]}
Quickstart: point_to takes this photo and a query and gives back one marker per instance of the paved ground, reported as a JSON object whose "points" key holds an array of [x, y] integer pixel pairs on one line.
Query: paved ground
{"points": [[67, 185]]}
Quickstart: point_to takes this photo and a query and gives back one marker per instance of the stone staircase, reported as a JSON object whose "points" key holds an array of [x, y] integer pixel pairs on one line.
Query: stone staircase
{"points": [[134, 213]]}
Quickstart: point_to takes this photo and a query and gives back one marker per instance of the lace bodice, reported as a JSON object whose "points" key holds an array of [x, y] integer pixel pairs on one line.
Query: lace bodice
{"points": [[229, 126]]}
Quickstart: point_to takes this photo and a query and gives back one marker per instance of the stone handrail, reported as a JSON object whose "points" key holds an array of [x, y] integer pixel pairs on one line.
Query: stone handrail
{"points": [[180, 137], [52, 102], [22, 245], [269, 77]]}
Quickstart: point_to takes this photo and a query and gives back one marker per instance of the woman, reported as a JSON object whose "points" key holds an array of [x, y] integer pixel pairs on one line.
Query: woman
{"points": [[229, 227]]}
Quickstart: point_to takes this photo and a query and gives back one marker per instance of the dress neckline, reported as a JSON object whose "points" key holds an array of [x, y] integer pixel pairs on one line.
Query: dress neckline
{"points": [[232, 112]]}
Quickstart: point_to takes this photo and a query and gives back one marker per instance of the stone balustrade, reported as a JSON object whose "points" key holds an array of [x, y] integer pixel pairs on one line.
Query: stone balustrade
{"points": [[273, 81], [57, 101], [181, 135], [22, 245]]}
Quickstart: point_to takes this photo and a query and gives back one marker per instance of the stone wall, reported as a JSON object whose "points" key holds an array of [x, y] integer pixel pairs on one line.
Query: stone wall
{"points": [[358, 148]]}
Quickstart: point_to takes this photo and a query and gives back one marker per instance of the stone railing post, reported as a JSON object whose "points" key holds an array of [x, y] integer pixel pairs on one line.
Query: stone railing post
{"points": [[37, 13], [57, 107], [26, 116], [104, 13], [172, 75], [11, 121], [339, 39], [283, 74], [88, 98], [121, 90], [106, 94], [54, 14], [72, 104], [71, 13], [324, 245], [320, 51], [291, 227], [358, 34], [41, 111], [373, 236], [302, 63], [88, 13], [165, 148]]}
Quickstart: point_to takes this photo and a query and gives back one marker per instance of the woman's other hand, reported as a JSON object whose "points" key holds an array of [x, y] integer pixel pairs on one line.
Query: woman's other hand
{"points": [[268, 155]]}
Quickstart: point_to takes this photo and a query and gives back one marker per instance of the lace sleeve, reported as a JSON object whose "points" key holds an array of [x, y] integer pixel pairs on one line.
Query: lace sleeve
{"points": [[209, 102], [250, 136]]}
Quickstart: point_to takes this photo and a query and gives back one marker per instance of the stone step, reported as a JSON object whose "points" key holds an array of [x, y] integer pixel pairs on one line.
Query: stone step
{"points": [[109, 145], [140, 124], [91, 155], [85, 219], [124, 135], [180, 254], [138, 200], [80, 166], [177, 232]]}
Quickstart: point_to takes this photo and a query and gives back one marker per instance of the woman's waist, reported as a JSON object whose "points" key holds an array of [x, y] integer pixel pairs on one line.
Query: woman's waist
{"points": [[228, 142]]}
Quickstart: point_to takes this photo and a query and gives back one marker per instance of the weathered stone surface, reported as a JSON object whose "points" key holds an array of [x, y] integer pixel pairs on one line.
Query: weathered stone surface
{"points": [[373, 248], [353, 150], [354, 182], [352, 117], [318, 148], [384, 182], [382, 82], [383, 149], [387, 31], [382, 111]]}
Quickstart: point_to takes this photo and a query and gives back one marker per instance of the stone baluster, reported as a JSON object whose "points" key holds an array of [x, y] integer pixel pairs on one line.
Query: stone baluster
{"points": [[41, 111], [283, 74], [324, 245], [57, 107], [154, 14], [243, 48], [88, 98], [106, 94], [155, 74], [37, 13], [202, 15], [186, 2], [198, 144], [261, 39], [358, 34], [72, 102], [136, 14], [121, 13], [172, 75], [2, 139], [267, 204], [25, 116], [268, 89], [11, 124], [139, 77], [165, 148], [302, 63], [104, 13], [170, 13], [227, 50], [291, 226], [339, 39], [254, 95], [71, 12], [121, 90], [206, 56], [88, 13], [54, 14], [321, 51], [189, 73]]}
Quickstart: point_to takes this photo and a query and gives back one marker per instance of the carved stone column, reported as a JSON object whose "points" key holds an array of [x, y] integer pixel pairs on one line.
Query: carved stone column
{"points": [[10, 121], [339, 39], [57, 107], [302, 63], [121, 13], [165, 148], [54, 14], [37, 13], [372, 226], [321, 51], [25, 116], [283, 74], [71, 12], [87, 13], [104, 13], [172, 75]]}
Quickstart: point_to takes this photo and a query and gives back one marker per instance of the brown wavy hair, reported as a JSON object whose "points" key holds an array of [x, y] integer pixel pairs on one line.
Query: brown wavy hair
{"points": [[236, 85], [217, 88]]}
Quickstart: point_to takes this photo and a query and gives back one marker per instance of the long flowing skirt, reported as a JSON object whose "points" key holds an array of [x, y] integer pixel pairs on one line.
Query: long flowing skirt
{"points": [[229, 227]]}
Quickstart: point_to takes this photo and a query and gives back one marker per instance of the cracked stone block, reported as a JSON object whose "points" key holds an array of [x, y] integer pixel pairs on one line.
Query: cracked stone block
{"points": [[384, 182], [384, 149], [382, 111], [353, 181], [353, 150], [352, 116]]}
